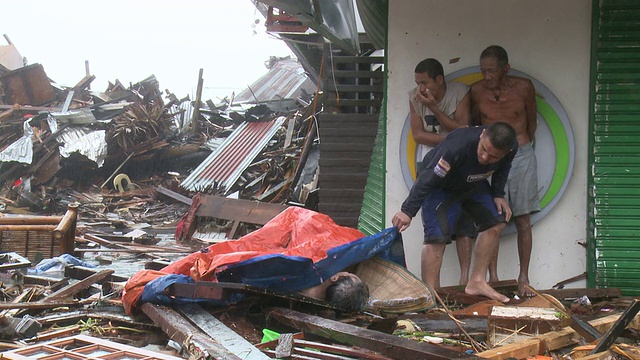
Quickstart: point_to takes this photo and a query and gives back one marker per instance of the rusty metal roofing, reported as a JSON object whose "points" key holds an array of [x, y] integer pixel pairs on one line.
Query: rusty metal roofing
{"points": [[225, 165], [285, 80]]}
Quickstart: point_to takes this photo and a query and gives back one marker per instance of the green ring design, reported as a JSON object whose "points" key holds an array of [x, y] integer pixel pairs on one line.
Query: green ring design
{"points": [[562, 147]]}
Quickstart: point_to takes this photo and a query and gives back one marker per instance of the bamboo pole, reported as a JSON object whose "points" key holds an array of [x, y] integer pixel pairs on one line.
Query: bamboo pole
{"points": [[30, 220]]}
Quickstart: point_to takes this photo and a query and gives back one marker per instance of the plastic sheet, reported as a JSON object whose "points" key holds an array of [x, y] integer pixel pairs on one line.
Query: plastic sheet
{"points": [[298, 249]]}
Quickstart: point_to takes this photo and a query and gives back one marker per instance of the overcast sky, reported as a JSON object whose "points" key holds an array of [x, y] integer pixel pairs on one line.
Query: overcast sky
{"points": [[130, 40]]}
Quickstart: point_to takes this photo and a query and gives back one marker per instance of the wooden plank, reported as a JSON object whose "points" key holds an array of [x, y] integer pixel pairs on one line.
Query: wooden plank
{"points": [[330, 194], [196, 343], [252, 212], [590, 293], [519, 350], [347, 147], [357, 74], [358, 59], [618, 328], [386, 344], [456, 292], [348, 132], [443, 323], [43, 304], [344, 180], [174, 195], [338, 349], [285, 345], [355, 88], [341, 207], [213, 327], [359, 161], [81, 272], [547, 342], [113, 245], [352, 102], [75, 288], [347, 119]]}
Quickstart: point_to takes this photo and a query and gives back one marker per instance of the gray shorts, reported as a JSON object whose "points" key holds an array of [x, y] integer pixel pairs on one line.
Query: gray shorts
{"points": [[522, 186]]}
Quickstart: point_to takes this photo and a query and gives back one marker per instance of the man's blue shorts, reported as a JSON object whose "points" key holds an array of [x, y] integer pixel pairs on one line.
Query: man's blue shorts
{"points": [[441, 214]]}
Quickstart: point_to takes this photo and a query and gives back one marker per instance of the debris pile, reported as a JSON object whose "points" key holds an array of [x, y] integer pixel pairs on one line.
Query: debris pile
{"points": [[109, 150], [135, 157]]}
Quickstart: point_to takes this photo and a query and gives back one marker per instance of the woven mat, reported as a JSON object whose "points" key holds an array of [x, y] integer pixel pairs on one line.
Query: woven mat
{"points": [[392, 288]]}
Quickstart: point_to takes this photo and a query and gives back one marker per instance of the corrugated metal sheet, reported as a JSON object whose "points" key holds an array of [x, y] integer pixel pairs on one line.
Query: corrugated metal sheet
{"points": [[372, 215], [225, 165], [285, 80], [614, 181], [374, 15]]}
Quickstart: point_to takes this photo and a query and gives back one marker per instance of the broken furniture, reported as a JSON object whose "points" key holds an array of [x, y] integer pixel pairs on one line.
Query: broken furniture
{"points": [[39, 237]]}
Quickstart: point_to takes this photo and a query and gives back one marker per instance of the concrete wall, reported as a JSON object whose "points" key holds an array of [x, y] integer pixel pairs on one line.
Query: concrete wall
{"points": [[548, 40]]}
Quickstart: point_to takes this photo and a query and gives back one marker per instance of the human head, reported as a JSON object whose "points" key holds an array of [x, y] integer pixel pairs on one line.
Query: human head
{"points": [[429, 74], [347, 292], [494, 65], [496, 141]]}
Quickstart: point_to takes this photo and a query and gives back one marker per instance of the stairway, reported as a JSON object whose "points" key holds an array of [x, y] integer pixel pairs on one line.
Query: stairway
{"points": [[352, 97]]}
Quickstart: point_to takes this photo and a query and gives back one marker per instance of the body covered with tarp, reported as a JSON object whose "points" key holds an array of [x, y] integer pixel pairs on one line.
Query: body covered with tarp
{"points": [[297, 249]]}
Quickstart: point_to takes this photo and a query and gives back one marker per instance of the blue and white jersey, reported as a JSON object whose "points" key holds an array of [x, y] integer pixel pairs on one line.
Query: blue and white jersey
{"points": [[453, 166]]}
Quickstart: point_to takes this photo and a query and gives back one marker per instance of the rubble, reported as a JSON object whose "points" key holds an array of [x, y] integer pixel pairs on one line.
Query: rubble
{"points": [[103, 179]]}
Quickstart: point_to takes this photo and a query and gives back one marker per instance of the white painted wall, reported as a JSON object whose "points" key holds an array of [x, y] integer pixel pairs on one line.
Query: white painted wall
{"points": [[547, 39]]}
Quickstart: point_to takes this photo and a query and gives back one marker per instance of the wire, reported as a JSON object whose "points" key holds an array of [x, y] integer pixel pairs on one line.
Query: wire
{"points": [[333, 75]]}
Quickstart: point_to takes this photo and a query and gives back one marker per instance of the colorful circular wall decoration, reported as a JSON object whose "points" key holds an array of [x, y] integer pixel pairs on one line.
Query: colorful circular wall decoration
{"points": [[554, 145]]}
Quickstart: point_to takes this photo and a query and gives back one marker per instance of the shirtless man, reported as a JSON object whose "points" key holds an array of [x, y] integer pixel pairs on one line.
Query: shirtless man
{"points": [[436, 107], [511, 99]]}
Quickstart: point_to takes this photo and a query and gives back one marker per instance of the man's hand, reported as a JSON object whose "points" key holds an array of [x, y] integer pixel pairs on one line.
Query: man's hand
{"points": [[401, 221], [427, 99], [503, 207]]}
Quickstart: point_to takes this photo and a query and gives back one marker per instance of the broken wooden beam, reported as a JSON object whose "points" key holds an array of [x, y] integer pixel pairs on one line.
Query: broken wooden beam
{"points": [[198, 344], [596, 293], [12, 261], [443, 323], [112, 245], [385, 344], [213, 327], [75, 288], [72, 317], [39, 305], [616, 330], [81, 272], [548, 342], [174, 195]]}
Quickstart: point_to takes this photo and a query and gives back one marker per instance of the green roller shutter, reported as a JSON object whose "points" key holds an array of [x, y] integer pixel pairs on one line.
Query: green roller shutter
{"points": [[613, 228]]}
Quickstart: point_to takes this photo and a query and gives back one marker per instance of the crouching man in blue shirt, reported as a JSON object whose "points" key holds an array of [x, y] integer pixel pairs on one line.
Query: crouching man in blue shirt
{"points": [[455, 177]]}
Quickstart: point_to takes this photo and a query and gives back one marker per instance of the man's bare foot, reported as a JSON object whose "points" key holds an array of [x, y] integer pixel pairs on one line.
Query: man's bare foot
{"points": [[483, 289], [523, 291]]}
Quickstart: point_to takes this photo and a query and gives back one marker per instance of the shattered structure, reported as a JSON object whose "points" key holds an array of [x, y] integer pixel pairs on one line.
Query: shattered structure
{"points": [[97, 185]]}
